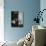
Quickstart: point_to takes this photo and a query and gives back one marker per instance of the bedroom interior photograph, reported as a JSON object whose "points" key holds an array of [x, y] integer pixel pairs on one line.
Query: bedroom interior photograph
{"points": [[22, 22]]}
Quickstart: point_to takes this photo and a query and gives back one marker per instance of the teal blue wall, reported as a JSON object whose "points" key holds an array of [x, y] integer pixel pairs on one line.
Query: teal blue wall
{"points": [[29, 7]]}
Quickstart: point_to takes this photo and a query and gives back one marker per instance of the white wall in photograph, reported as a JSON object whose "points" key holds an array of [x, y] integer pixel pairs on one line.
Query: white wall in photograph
{"points": [[20, 17]]}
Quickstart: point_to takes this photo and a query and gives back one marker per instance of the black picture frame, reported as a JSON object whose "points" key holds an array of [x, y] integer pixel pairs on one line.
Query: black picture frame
{"points": [[17, 19]]}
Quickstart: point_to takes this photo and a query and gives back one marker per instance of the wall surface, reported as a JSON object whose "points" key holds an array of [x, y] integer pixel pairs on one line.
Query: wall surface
{"points": [[29, 7], [1, 20], [43, 6]]}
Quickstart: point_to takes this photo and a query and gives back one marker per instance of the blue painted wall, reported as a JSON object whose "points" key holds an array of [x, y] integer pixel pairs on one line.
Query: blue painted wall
{"points": [[29, 7], [43, 6]]}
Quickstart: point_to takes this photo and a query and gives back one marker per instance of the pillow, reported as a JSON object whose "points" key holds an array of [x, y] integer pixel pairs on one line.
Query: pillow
{"points": [[28, 39], [21, 42]]}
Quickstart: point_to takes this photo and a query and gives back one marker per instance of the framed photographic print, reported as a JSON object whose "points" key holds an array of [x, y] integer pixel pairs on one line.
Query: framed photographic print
{"points": [[17, 19]]}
